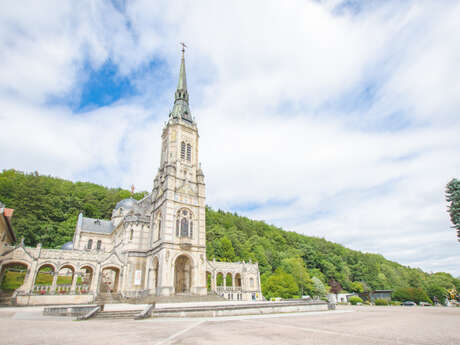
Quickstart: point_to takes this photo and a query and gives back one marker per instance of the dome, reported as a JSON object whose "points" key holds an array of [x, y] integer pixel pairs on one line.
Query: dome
{"points": [[126, 204], [67, 246]]}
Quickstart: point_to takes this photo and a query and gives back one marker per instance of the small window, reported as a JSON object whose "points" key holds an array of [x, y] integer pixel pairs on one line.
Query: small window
{"points": [[90, 244], [177, 227], [182, 150], [251, 282], [99, 243], [159, 229], [189, 152], [191, 229], [131, 235]]}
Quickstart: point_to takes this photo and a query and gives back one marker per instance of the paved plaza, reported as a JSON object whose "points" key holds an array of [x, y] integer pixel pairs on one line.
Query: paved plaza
{"points": [[345, 326]]}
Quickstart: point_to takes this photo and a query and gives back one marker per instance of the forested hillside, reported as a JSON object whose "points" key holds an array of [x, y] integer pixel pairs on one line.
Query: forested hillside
{"points": [[46, 209]]}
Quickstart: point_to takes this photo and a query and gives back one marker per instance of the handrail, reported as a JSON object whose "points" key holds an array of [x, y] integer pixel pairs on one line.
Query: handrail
{"points": [[90, 314], [145, 313]]}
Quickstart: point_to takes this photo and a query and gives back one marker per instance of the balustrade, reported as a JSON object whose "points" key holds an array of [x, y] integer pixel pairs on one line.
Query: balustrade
{"points": [[60, 290]]}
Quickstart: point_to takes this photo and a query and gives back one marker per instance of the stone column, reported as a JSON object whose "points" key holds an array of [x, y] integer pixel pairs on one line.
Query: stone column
{"points": [[213, 281], [95, 280], [53, 285], [147, 276], [224, 283], [74, 282], [30, 278], [233, 280]]}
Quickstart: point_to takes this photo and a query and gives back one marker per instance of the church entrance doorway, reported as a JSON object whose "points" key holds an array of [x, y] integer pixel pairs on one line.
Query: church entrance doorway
{"points": [[182, 275], [109, 280]]}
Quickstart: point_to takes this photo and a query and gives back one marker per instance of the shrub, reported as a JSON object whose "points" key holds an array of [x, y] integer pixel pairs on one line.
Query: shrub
{"points": [[381, 301], [395, 303], [366, 303], [354, 300]]}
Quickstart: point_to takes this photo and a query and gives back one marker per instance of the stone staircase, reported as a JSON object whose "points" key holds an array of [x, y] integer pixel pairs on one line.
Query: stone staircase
{"points": [[116, 314], [108, 298], [174, 299], [5, 298]]}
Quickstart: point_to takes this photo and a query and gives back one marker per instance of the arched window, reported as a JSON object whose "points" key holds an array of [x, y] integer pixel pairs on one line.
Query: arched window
{"points": [[184, 224], [182, 150], [99, 243], [90, 244], [131, 235], [189, 152]]}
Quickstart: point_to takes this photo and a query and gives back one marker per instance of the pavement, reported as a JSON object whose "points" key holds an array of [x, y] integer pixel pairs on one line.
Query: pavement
{"points": [[361, 325]]}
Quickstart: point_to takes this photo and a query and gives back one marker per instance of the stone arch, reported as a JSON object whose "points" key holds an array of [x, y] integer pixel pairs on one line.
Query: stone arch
{"points": [[65, 278], [15, 261], [219, 279], [110, 277], [183, 274], [13, 274], [45, 278], [67, 264], [229, 279], [238, 280], [87, 276]]}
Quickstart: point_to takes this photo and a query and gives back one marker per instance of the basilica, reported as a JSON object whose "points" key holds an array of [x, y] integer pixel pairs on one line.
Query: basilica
{"points": [[152, 247]]}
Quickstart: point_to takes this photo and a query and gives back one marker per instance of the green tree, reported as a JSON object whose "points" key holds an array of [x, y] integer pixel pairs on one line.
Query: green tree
{"points": [[296, 268], [318, 288], [357, 287], [280, 284], [453, 201], [437, 293]]}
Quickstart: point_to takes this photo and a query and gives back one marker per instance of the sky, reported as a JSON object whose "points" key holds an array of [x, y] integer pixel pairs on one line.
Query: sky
{"points": [[332, 118]]}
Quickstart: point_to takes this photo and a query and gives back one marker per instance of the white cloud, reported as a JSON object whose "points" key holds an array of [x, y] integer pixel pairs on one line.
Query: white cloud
{"points": [[338, 124]]}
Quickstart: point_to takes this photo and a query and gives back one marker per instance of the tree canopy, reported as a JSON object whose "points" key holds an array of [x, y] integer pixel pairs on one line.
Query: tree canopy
{"points": [[453, 200]]}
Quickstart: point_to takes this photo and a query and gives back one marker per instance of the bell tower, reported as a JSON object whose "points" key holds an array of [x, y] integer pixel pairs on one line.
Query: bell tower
{"points": [[178, 197]]}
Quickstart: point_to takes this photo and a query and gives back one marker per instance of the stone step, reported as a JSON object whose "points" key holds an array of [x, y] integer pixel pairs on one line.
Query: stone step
{"points": [[117, 314]]}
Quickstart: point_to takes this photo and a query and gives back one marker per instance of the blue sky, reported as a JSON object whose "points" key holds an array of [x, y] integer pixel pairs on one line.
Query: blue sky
{"points": [[336, 119]]}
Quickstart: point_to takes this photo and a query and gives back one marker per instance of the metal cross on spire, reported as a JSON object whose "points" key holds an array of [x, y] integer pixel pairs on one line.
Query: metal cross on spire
{"points": [[183, 47]]}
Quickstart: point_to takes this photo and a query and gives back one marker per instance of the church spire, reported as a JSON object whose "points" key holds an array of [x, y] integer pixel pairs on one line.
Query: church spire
{"points": [[182, 85], [181, 108]]}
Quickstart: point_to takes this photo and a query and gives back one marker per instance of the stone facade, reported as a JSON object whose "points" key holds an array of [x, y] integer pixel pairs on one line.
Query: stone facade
{"points": [[154, 246]]}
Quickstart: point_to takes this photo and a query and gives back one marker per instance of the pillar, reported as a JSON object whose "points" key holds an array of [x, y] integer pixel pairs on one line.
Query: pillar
{"points": [[213, 281], [53, 285], [224, 284], [74, 282], [29, 280], [95, 280]]}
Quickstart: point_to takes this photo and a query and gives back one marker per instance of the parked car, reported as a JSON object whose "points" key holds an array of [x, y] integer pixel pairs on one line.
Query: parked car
{"points": [[409, 303], [425, 304]]}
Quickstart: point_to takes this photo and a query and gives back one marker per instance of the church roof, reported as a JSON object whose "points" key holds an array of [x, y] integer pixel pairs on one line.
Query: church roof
{"points": [[67, 246], [126, 204], [96, 225]]}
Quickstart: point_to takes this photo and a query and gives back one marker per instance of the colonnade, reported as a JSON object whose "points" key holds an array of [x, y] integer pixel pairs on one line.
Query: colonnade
{"points": [[92, 280]]}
